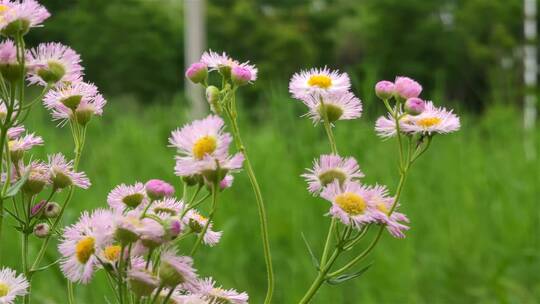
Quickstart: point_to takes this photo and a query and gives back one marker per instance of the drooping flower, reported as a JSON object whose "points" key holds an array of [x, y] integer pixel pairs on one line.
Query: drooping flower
{"points": [[19, 145], [216, 294], [18, 16], [127, 196], [79, 101], [334, 106], [158, 189], [350, 203], [12, 286], [318, 81], [406, 87], [128, 227], [151, 233], [175, 270], [38, 176], [432, 120], [81, 241], [329, 168], [383, 203], [142, 281], [14, 132], [62, 174], [54, 64], [197, 222]]}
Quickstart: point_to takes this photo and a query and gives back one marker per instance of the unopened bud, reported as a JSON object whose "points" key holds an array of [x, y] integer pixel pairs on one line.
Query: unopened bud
{"points": [[384, 89], [42, 230], [52, 210], [415, 106], [197, 72]]}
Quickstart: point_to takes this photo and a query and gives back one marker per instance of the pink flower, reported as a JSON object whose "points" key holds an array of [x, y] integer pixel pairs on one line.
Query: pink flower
{"points": [[432, 120], [62, 174], [158, 189], [197, 72], [175, 270], [334, 106], [415, 106], [13, 285], [406, 87], [330, 168], [8, 53], [29, 12], [54, 63], [127, 196], [319, 81], [379, 197], [241, 75], [384, 89], [216, 294]]}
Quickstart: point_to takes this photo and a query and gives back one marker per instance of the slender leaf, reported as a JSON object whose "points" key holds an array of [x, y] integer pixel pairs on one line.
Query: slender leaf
{"points": [[313, 258], [346, 277], [15, 188]]}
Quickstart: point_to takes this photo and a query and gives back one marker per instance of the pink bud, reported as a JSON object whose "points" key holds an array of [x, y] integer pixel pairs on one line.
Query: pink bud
{"points": [[384, 89], [42, 230], [38, 208], [226, 182], [406, 87], [158, 189], [415, 106], [197, 72], [240, 75]]}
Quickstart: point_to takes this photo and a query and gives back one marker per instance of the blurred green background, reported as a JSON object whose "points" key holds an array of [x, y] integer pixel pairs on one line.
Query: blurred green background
{"points": [[472, 199]]}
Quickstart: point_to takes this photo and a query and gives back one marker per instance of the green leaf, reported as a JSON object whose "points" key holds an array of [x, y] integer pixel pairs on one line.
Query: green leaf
{"points": [[313, 258], [15, 188], [346, 277]]}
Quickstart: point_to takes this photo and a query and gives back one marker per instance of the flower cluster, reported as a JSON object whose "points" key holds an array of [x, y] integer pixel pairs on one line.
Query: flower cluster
{"points": [[30, 183]]}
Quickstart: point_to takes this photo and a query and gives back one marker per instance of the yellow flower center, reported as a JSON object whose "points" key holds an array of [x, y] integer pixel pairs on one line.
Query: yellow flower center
{"points": [[205, 145], [112, 253], [351, 203], [4, 289], [3, 8], [84, 249], [428, 122], [11, 144], [321, 81]]}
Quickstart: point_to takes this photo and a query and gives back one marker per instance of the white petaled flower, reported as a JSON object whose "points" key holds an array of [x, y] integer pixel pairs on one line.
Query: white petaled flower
{"points": [[12, 286], [329, 168], [217, 294], [167, 207], [62, 173], [432, 120], [80, 243], [55, 64], [318, 81], [20, 16], [215, 60], [334, 106], [127, 196]]}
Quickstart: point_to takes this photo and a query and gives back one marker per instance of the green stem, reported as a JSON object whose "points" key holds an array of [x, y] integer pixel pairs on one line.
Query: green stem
{"points": [[231, 113], [26, 299], [210, 217]]}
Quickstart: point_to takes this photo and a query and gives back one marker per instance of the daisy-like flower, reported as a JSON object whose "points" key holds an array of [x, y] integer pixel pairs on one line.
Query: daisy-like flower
{"points": [[12, 285], [80, 99], [15, 132], [175, 270], [128, 227], [350, 203], [383, 203], [197, 222], [142, 281], [167, 207], [432, 120], [81, 241], [203, 147], [215, 61], [152, 233], [127, 196], [38, 176], [334, 106], [209, 291], [240, 73], [329, 168], [18, 146], [62, 174], [54, 63], [385, 126], [18, 16], [318, 81]]}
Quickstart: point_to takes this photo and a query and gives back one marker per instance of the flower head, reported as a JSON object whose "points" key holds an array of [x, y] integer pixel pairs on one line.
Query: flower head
{"points": [[432, 120], [19, 145], [216, 294], [216, 61], [79, 101], [383, 204], [167, 207], [197, 72], [243, 74], [415, 106], [127, 196], [38, 176], [330, 168], [142, 281], [384, 89], [81, 241], [55, 64], [175, 270], [350, 203], [18, 16], [62, 174], [8, 53], [334, 106], [319, 81], [158, 189], [12, 286], [197, 222], [406, 87]]}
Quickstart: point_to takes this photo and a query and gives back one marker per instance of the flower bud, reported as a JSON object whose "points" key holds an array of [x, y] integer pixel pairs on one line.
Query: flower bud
{"points": [[406, 88], [384, 89], [197, 72], [172, 227], [34, 184], [240, 75], [42, 230], [212, 96], [414, 106], [38, 208], [226, 182], [52, 210], [158, 189]]}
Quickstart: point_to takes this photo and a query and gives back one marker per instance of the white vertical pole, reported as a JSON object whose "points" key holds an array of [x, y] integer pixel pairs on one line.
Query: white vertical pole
{"points": [[194, 45], [530, 75]]}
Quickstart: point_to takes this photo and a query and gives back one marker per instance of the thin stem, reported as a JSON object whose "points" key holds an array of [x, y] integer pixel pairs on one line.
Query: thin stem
{"points": [[231, 113], [169, 295], [156, 296], [210, 217]]}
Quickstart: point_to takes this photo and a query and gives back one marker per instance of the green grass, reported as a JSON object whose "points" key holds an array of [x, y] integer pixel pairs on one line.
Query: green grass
{"points": [[472, 200]]}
